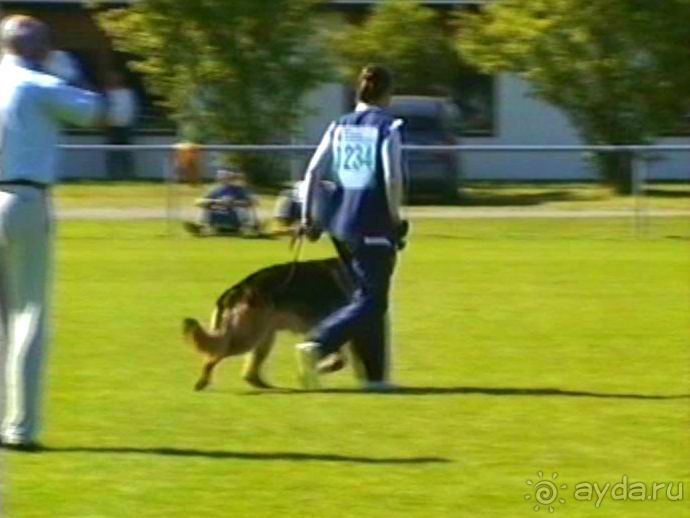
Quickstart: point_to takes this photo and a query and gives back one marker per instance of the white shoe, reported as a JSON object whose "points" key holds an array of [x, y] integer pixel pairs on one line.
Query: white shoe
{"points": [[380, 386], [307, 360]]}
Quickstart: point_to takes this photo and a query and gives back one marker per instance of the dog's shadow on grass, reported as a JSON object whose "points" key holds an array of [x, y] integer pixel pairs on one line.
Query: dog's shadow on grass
{"points": [[485, 391], [242, 455]]}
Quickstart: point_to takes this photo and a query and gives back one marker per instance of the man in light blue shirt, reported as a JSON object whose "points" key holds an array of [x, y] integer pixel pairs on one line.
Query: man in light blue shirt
{"points": [[33, 107]]}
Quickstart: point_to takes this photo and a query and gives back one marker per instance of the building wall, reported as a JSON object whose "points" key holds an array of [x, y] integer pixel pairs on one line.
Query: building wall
{"points": [[525, 120], [90, 164]]}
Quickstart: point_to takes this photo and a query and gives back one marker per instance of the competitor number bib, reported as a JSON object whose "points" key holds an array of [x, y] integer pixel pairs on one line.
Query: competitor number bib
{"points": [[355, 156]]}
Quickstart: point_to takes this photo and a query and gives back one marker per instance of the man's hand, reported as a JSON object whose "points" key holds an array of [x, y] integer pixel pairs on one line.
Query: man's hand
{"points": [[309, 230]]}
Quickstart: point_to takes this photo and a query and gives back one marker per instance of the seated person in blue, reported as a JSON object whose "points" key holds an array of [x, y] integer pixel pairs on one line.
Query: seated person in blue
{"points": [[229, 208]]}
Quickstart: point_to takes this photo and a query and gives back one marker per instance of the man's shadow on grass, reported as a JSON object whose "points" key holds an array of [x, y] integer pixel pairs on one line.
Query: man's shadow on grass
{"points": [[241, 455], [664, 193], [485, 391], [498, 198]]}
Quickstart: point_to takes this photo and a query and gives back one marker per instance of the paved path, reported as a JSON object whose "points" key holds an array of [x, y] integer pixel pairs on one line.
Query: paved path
{"points": [[106, 213]]}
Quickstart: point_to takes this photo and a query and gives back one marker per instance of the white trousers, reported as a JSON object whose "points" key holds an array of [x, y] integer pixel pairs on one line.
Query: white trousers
{"points": [[26, 243]]}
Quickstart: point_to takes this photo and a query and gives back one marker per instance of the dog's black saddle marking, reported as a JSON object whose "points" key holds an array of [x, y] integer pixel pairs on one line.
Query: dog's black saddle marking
{"points": [[313, 289]]}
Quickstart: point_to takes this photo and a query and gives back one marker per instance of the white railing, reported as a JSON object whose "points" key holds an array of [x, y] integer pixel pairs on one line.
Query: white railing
{"points": [[305, 148]]}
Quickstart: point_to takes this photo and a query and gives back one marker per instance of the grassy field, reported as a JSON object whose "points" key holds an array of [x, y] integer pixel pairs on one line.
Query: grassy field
{"points": [[549, 196], [558, 346]]}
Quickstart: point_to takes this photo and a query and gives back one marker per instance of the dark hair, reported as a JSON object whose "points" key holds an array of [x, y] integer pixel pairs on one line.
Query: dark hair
{"points": [[375, 83]]}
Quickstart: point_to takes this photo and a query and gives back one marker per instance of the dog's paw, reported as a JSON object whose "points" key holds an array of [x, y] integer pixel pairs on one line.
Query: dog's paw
{"points": [[257, 382], [201, 385]]}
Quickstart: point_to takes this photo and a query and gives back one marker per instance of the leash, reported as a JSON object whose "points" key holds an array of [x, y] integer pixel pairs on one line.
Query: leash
{"points": [[296, 246]]}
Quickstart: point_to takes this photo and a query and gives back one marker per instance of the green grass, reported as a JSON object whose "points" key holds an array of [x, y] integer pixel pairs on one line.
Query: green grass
{"points": [[123, 195], [575, 196], [551, 196], [528, 335]]}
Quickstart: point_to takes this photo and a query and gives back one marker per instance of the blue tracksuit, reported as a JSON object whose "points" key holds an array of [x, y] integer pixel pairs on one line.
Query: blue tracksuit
{"points": [[226, 217], [362, 154]]}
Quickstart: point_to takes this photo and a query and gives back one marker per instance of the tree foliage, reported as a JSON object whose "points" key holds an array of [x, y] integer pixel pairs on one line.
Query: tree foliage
{"points": [[227, 70], [409, 39], [619, 68]]}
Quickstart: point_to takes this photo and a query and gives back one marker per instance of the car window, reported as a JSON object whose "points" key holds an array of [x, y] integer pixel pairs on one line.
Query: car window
{"points": [[418, 124]]}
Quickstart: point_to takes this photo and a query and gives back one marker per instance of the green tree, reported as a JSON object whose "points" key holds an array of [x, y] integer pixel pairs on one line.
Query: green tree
{"points": [[409, 39], [227, 70], [619, 68]]}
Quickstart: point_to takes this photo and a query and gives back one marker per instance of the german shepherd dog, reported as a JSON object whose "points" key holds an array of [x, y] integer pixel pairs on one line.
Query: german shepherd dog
{"points": [[292, 296]]}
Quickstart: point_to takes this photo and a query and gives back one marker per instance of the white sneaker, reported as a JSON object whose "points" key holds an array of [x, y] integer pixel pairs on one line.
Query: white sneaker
{"points": [[307, 360]]}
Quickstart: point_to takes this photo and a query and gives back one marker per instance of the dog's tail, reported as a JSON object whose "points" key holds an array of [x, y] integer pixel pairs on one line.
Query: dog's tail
{"points": [[212, 344], [216, 340]]}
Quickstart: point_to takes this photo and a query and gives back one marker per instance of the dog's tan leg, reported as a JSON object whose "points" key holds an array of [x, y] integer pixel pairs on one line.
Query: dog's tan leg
{"points": [[206, 372], [251, 372]]}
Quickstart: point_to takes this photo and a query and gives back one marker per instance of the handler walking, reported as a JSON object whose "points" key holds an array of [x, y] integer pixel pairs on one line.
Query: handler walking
{"points": [[32, 107], [361, 154]]}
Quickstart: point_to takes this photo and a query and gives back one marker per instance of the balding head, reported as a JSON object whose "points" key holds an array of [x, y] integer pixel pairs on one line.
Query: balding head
{"points": [[26, 37]]}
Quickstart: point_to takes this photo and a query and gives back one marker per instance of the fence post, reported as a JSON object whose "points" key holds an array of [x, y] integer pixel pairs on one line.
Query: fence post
{"points": [[170, 201], [640, 173]]}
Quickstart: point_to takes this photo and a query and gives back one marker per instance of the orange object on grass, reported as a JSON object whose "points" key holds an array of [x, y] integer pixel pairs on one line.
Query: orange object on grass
{"points": [[188, 163]]}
